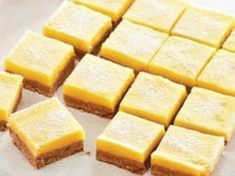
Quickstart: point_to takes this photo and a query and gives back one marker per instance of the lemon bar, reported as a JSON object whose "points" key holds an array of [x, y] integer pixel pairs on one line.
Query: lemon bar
{"points": [[11, 89], [128, 141], [185, 152], [204, 25], [229, 44], [181, 60], [114, 8], [46, 132], [219, 74], [43, 62], [132, 45], [79, 26], [154, 98], [208, 112], [97, 86], [157, 14]]}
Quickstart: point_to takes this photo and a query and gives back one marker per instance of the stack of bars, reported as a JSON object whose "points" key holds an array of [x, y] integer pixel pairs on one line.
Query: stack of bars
{"points": [[166, 79]]}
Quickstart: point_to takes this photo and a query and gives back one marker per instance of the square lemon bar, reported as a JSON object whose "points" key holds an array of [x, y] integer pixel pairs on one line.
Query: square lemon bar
{"points": [[128, 141], [185, 152], [208, 112], [114, 8], [181, 60], [10, 88], [204, 25], [97, 86], [46, 132], [219, 74], [154, 98], [43, 62], [132, 45], [229, 44], [157, 14], [79, 26]]}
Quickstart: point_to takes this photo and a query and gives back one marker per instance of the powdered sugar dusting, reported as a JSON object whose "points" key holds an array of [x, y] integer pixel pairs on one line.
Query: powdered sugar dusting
{"points": [[208, 106], [45, 122], [39, 53], [128, 39], [78, 21], [153, 94], [132, 131], [191, 146], [100, 76], [8, 89], [204, 25]]}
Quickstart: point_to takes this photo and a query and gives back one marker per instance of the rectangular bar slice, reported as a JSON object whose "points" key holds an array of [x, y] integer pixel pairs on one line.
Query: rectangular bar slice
{"points": [[114, 8], [43, 62], [79, 26], [10, 96], [132, 45], [97, 86], [181, 60], [128, 141], [157, 14], [46, 132], [208, 112], [184, 152], [154, 98], [204, 26], [219, 73]]}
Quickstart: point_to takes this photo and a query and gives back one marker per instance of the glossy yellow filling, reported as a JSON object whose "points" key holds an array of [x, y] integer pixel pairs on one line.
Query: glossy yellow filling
{"points": [[188, 152], [154, 98], [181, 60], [157, 14], [78, 25], [130, 137], [46, 126], [132, 45], [115, 8], [219, 73], [91, 82], [10, 88], [208, 112], [39, 58], [204, 26]]}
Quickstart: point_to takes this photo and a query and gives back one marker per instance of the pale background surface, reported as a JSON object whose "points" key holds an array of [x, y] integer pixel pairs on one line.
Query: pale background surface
{"points": [[18, 16]]}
